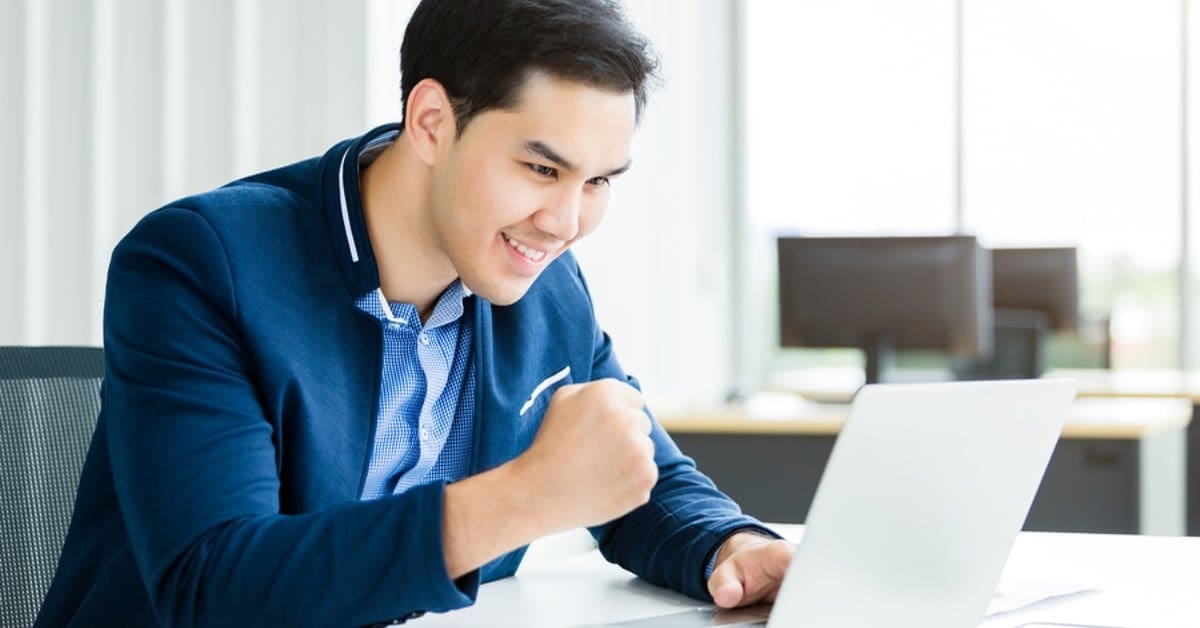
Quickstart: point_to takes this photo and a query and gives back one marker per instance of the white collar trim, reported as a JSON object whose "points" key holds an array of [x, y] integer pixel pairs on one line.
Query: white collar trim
{"points": [[346, 216]]}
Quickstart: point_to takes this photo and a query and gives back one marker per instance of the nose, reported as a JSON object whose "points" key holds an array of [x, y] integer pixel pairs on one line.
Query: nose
{"points": [[560, 216]]}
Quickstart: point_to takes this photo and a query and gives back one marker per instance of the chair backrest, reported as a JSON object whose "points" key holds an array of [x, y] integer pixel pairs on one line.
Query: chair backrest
{"points": [[49, 399]]}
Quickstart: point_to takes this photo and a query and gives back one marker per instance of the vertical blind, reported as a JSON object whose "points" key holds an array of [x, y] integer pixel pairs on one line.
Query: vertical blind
{"points": [[122, 105]]}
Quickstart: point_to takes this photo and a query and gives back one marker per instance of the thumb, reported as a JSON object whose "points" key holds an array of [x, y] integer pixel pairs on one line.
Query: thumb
{"points": [[725, 585]]}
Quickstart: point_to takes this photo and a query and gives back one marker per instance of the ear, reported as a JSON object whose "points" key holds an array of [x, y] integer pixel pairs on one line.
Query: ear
{"points": [[429, 121]]}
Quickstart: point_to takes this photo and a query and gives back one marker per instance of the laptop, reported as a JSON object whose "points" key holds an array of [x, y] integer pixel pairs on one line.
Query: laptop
{"points": [[917, 510]]}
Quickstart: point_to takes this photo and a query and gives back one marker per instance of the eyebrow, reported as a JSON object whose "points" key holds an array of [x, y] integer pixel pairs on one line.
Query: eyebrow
{"points": [[540, 148]]}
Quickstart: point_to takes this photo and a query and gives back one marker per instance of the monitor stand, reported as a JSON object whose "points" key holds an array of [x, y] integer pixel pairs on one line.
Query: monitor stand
{"points": [[881, 357]]}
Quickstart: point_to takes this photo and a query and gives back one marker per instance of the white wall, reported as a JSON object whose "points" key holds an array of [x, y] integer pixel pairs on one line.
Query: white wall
{"points": [[12, 173], [659, 265]]}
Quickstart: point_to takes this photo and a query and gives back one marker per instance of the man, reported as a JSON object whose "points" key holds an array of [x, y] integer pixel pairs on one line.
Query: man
{"points": [[349, 390]]}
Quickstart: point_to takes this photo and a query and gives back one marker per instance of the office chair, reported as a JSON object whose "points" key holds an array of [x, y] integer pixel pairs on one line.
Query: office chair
{"points": [[49, 399]]}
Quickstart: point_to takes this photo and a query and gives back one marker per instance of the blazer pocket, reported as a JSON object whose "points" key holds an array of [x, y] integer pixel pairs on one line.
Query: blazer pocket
{"points": [[544, 390]]}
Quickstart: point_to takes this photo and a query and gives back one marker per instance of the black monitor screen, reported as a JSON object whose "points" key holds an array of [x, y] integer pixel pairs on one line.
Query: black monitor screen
{"points": [[917, 292], [1041, 279]]}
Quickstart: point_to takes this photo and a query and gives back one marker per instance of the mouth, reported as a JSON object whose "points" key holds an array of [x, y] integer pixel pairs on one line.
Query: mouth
{"points": [[531, 254]]}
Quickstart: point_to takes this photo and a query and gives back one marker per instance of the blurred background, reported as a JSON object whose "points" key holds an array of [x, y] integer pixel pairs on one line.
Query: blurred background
{"points": [[1024, 123]]}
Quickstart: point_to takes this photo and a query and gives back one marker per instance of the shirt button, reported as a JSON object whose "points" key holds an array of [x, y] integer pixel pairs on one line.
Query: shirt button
{"points": [[424, 434], [424, 338], [394, 326]]}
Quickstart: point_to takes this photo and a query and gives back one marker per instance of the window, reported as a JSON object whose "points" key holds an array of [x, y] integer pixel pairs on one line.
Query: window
{"points": [[1070, 133]]}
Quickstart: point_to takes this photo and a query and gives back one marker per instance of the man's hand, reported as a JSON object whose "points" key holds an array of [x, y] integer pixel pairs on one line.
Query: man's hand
{"points": [[592, 459], [591, 462], [749, 569]]}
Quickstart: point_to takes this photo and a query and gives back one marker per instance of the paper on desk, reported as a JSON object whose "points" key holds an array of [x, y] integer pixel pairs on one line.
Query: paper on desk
{"points": [[1013, 595]]}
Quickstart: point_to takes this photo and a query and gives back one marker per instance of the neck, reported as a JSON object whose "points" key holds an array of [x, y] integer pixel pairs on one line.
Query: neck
{"points": [[395, 195]]}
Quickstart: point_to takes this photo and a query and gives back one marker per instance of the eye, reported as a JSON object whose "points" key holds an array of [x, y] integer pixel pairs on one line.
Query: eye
{"points": [[544, 171], [598, 182]]}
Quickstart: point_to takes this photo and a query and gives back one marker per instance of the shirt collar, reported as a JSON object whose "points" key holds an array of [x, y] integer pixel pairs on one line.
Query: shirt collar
{"points": [[449, 308]]}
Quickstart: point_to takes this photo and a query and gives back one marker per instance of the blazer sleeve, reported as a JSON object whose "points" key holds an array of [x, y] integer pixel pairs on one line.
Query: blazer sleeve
{"points": [[194, 463], [670, 539]]}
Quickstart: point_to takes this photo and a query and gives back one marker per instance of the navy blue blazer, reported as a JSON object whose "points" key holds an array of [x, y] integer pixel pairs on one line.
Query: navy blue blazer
{"points": [[223, 480]]}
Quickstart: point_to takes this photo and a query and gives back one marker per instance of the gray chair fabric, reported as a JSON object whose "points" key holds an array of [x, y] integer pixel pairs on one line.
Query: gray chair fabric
{"points": [[49, 399]]}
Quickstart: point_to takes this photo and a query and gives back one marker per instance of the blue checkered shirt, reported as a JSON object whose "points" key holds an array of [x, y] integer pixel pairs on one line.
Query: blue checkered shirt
{"points": [[426, 394]]}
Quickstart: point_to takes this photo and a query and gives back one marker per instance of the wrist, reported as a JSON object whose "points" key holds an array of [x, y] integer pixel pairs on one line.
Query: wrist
{"points": [[487, 515], [531, 508]]}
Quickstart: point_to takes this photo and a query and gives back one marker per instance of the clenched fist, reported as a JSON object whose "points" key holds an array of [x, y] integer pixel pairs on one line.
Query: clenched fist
{"points": [[592, 460]]}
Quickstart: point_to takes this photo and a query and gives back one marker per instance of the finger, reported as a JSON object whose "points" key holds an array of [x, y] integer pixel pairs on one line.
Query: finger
{"points": [[641, 422], [762, 569], [624, 394], [725, 586], [728, 595], [650, 451]]}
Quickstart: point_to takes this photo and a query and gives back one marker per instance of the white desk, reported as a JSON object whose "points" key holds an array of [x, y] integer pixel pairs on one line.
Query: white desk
{"points": [[1142, 581], [1134, 382]]}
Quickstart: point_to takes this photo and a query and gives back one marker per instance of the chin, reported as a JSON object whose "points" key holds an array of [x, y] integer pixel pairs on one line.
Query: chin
{"points": [[502, 294]]}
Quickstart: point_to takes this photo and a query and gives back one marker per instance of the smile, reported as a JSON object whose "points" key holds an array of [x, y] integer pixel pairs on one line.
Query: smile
{"points": [[530, 253]]}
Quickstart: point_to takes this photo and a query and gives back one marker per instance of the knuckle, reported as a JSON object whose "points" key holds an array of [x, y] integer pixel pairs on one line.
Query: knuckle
{"points": [[607, 385], [636, 443], [649, 475], [640, 421]]}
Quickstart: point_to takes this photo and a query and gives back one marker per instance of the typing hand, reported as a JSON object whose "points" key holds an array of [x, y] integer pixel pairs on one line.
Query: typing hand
{"points": [[749, 569]]}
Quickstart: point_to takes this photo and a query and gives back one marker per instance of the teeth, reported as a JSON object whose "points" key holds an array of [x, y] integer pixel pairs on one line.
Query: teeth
{"points": [[530, 254]]}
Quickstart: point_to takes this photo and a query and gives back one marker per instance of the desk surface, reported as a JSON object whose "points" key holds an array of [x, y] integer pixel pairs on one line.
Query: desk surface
{"points": [[778, 413], [1139, 581], [837, 384], [1134, 382]]}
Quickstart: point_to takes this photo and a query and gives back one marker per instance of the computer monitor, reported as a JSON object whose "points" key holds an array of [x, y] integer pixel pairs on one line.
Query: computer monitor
{"points": [[1039, 279], [883, 294]]}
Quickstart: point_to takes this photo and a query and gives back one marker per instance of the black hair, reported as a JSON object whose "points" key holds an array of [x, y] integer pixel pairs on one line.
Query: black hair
{"points": [[482, 51]]}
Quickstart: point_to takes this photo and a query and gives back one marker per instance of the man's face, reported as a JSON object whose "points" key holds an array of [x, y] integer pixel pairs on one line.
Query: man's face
{"points": [[520, 186]]}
